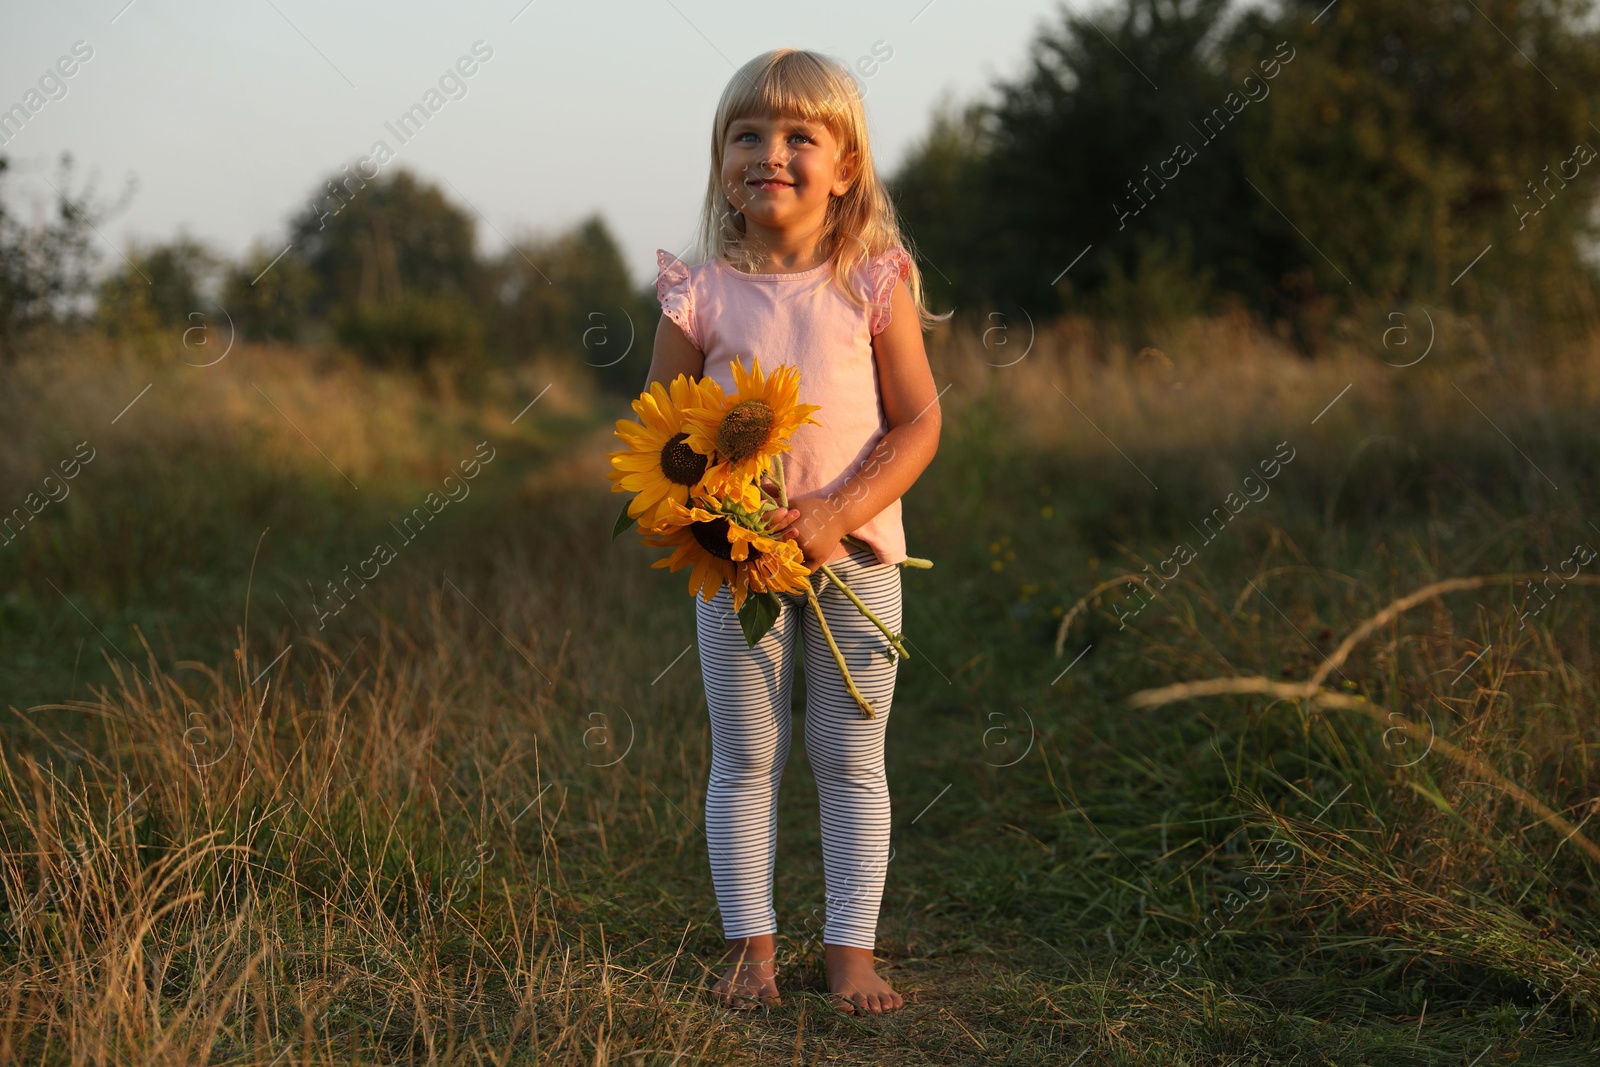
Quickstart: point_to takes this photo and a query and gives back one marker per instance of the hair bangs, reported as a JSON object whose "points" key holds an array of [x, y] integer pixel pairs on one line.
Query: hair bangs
{"points": [[794, 85]]}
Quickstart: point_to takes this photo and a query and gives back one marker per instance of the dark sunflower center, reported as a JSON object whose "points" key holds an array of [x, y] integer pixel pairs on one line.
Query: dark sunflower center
{"points": [[744, 429], [680, 463], [713, 537]]}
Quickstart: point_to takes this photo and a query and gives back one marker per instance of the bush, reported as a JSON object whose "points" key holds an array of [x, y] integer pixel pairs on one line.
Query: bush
{"points": [[157, 290], [411, 332], [268, 295]]}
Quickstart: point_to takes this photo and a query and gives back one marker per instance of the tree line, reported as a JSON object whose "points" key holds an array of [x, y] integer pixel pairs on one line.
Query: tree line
{"points": [[1154, 159], [1296, 159]]}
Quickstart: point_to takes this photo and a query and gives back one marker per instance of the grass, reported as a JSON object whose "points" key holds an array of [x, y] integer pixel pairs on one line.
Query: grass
{"points": [[461, 820]]}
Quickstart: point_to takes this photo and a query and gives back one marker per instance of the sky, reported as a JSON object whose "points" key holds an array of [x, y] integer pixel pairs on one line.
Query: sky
{"points": [[227, 115]]}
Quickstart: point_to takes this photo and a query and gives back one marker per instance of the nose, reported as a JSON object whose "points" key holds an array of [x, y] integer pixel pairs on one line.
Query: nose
{"points": [[774, 157]]}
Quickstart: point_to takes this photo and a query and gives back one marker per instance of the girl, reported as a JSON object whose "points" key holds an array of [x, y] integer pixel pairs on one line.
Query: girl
{"points": [[803, 263]]}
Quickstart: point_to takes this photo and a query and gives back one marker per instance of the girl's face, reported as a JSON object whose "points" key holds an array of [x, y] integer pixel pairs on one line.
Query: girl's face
{"points": [[782, 171]]}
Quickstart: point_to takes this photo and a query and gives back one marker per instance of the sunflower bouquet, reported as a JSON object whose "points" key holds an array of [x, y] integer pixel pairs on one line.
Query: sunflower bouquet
{"points": [[695, 461]]}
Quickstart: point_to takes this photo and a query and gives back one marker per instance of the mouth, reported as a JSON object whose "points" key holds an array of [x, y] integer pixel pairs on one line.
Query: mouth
{"points": [[769, 183]]}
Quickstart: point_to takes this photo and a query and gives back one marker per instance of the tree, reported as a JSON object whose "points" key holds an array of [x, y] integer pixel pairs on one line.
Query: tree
{"points": [[267, 296], [159, 287], [1415, 136], [45, 269], [392, 269], [1079, 143], [390, 266], [571, 296], [943, 204], [367, 243], [1302, 157]]}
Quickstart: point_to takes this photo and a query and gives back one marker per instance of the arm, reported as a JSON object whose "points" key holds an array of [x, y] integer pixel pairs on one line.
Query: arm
{"points": [[911, 406], [674, 355]]}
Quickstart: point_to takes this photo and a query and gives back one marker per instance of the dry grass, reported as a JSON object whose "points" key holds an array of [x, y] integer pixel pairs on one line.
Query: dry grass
{"points": [[461, 824]]}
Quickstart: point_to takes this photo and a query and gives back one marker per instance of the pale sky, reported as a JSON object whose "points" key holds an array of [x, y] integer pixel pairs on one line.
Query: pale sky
{"points": [[226, 114]]}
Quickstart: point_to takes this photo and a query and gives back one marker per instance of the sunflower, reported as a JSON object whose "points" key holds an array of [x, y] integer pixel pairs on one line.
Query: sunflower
{"points": [[778, 567], [687, 530], [723, 551], [745, 431], [660, 464]]}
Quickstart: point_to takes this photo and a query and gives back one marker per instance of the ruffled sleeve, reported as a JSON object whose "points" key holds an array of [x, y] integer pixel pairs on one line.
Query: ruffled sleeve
{"points": [[886, 270], [675, 294]]}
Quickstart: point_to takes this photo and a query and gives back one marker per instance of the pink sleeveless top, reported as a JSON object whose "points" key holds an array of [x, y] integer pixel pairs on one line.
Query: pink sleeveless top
{"points": [[801, 319]]}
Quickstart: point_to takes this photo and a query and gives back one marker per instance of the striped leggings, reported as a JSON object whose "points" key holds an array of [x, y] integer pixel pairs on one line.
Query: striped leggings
{"points": [[748, 694]]}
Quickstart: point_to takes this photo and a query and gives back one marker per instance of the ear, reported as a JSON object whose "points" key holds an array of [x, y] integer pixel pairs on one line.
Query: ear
{"points": [[846, 175]]}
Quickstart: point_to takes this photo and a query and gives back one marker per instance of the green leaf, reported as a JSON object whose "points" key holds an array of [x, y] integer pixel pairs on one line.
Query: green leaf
{"points": [[760, 611], [623, 521]]}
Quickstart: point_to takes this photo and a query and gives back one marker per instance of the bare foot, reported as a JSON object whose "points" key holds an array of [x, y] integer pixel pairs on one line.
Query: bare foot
{"points": [[751, 978], [852, 979]]}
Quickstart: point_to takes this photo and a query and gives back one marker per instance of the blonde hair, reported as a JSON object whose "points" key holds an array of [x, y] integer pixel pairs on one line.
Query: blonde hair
{"points": [[859, 224]]}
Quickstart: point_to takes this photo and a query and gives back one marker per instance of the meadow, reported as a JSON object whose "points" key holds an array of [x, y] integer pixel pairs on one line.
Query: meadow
{"points": [[458, 819]]}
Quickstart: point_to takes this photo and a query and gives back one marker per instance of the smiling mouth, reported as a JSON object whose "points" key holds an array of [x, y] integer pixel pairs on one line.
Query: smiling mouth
{"points": [[770, 183]]}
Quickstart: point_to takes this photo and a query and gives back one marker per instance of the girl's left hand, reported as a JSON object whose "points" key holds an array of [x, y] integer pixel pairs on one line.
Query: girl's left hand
{"points": [[810, 523], [778, 518]]}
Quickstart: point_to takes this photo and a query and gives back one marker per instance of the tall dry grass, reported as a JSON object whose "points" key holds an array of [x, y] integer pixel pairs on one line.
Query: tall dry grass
{"points": [[167, 859], [463, 824], [1465, 731]]}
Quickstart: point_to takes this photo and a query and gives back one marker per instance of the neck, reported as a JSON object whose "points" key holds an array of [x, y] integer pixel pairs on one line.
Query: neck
{"points": [[785, 251]]}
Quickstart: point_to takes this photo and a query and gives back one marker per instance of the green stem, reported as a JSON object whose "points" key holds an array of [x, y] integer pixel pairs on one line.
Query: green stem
{"points": [[862, 702], [909, 561], [777, 476], [867, 710], [894, 638]]}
